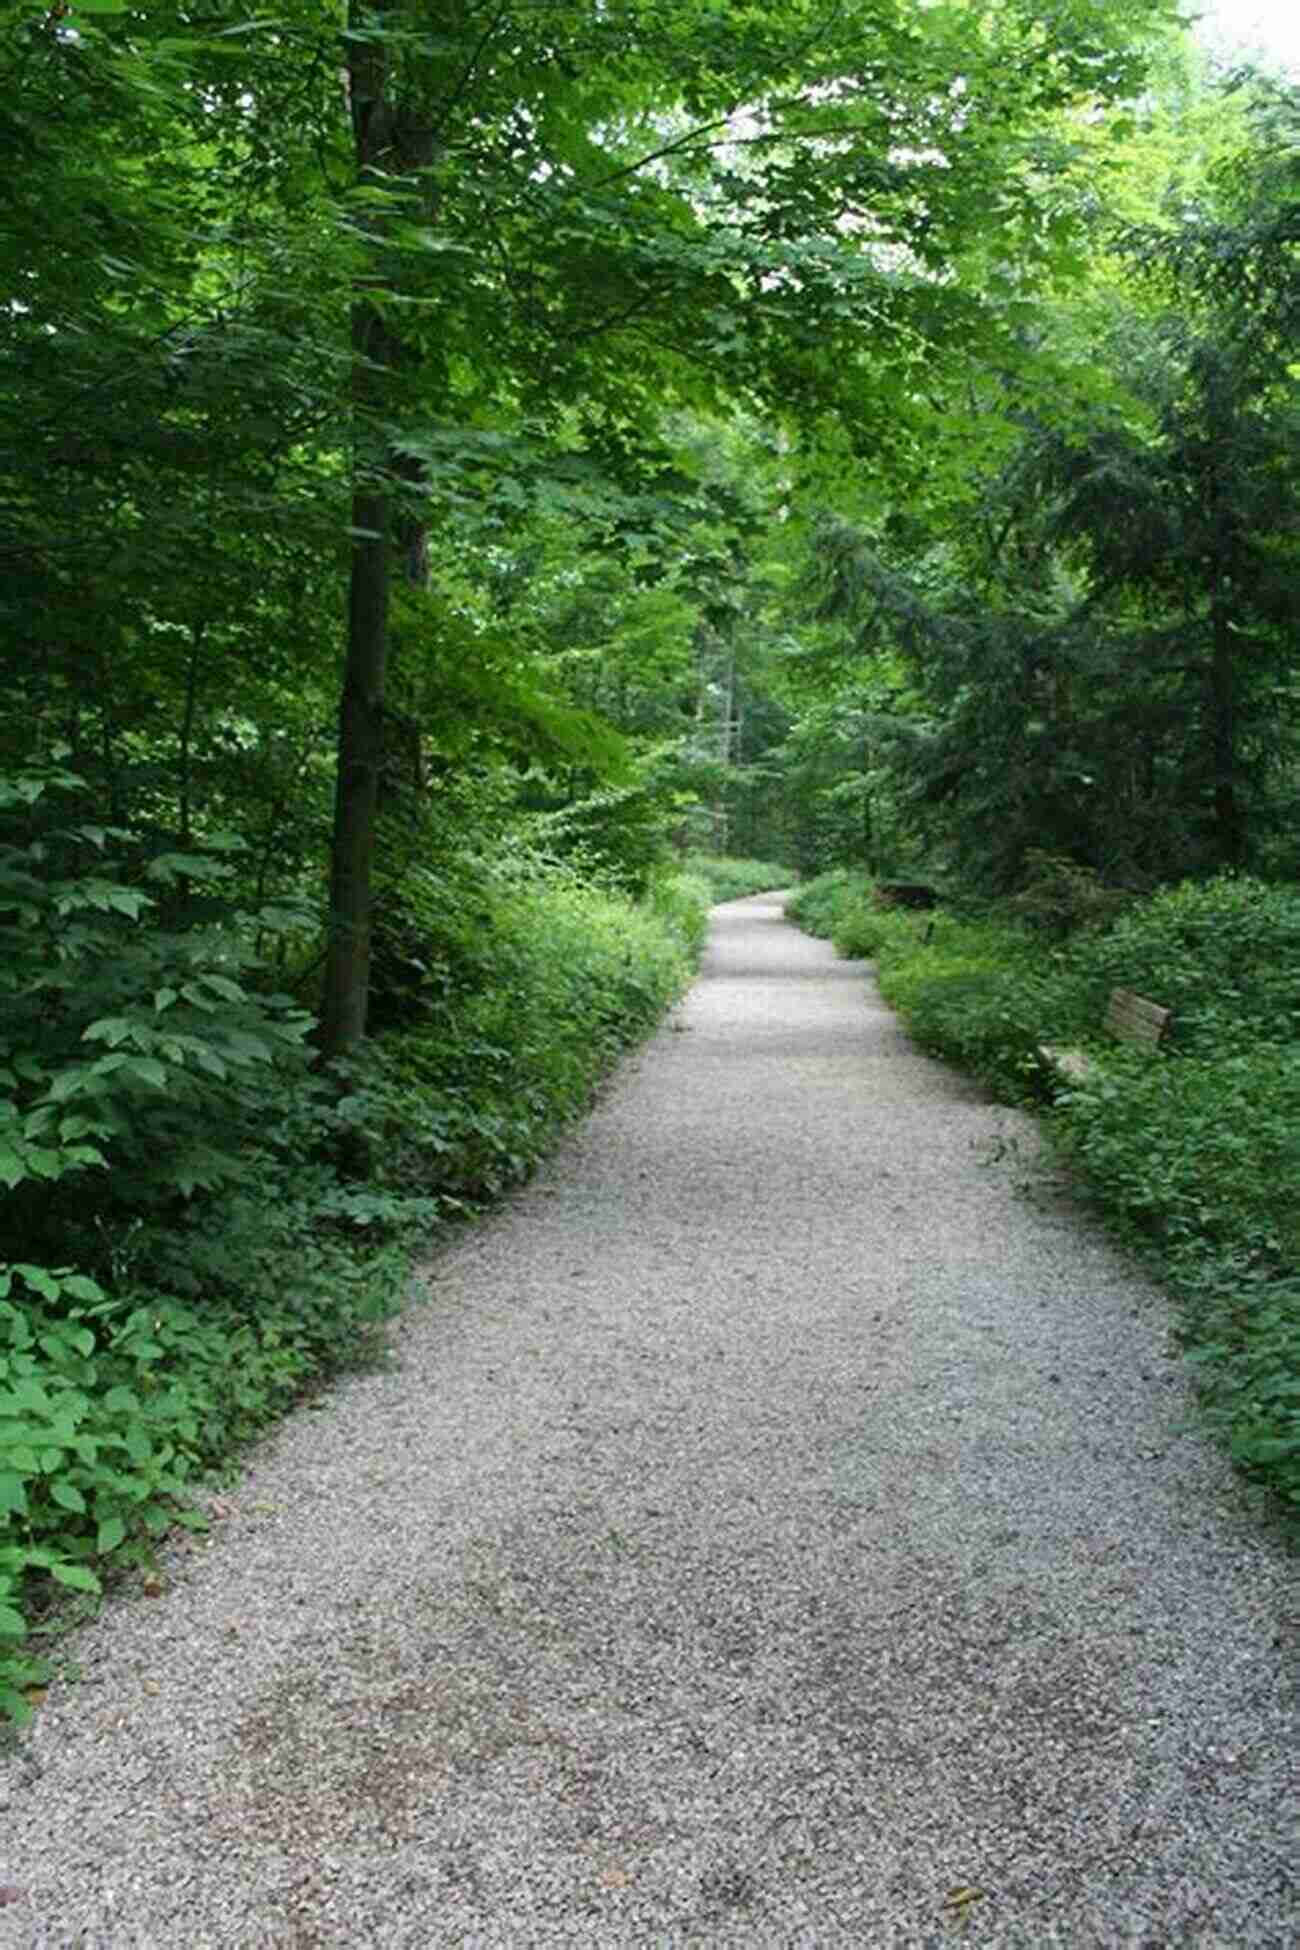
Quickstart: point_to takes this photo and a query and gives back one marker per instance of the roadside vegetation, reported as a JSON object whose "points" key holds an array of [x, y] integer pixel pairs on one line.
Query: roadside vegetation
{"points": [[201, 1222], [1191, 1151], [731, 880]]}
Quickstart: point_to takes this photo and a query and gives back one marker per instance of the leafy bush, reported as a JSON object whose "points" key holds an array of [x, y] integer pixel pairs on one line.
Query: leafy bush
{"points": [[680, 902], [466, 1106], [1061, 897], [135, 1044], [730, 880], [974, 993], [1223, 954], [1201, 1155], [111, 1406], [1246, 1347], [863, 928], [1197, 1161], [818, 905], [253, 1223], [617, 835]]}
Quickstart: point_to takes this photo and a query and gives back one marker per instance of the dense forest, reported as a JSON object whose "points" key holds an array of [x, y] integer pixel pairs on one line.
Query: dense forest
{"points": [[460, 464]]}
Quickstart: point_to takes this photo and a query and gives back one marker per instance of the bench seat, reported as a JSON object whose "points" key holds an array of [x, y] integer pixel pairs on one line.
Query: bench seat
{"points": [[1130, 1018]]}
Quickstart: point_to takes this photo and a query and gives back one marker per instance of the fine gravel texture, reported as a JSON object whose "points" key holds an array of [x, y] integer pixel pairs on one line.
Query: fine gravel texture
{"points": [[778, 1527]]}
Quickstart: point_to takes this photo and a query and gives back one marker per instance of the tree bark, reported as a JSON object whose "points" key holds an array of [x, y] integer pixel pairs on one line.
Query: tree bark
{"points": [[387, 139], [1230, 835], [1227, 809], [356, 791]]}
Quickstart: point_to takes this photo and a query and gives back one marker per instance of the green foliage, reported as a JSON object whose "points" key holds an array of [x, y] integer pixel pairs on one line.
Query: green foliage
{"points": [[1223, 954], [111, 1407], [1197, 1161], [1060, 897], [464, 1107], [680, 902], [617, 835], [1199, 1153], [819, 904], [183, 1316], [134, 1047], [974, 993], [730, 880], [1086, 650]]}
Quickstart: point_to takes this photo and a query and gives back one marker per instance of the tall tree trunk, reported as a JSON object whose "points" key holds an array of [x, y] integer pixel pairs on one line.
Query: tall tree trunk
{"points": [[1223, 716], [356, 790], [387, 139], [1229, 833]]}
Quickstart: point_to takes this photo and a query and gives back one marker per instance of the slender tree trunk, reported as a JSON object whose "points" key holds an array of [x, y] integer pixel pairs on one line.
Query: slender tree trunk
{"points": [[1223, 713], [387, 140], [1229, 833], [356, 791], [185, 737]]}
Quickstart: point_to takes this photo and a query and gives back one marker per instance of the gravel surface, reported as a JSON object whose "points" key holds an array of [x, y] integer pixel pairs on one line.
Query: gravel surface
{"points": [[773, 1528]]}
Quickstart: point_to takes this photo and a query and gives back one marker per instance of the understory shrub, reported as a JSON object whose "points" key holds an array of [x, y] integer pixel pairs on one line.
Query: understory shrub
{"points": [[138, 1032], [975, 993], [731, 880], [1196, 1160], [1223, 954], [466, 1102], [112, 1405], [818, 904], [196, 1226]]}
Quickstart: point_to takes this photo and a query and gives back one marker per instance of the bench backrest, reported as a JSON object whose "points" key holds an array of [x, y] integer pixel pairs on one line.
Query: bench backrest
{"points": [[1135, 1020]]}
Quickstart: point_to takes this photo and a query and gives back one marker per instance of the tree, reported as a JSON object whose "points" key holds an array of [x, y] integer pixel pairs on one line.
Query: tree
{"points": [[627, 217], [546, 225], [1100, 622]]}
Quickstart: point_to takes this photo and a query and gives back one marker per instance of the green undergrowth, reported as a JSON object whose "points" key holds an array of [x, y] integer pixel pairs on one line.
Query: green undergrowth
{"points": [[819, 904], [198, 1224], [1191, 1151], [731, 880]]}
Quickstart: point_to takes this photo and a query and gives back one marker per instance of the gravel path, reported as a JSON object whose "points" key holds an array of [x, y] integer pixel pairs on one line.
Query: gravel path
{"points": [[774, 1529]]}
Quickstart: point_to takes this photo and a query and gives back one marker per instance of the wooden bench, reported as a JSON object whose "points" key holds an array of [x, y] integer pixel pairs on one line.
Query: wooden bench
{"points": [[1129, 1018]]}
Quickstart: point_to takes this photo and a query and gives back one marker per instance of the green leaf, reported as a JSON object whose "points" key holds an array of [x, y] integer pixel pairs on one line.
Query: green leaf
{"points": [[69, 1497], [150, 1069], [13, 1493], [68, 1082], [109, 1029], [110, 1534], [12, 1623], [83, 1288], [222, 985], [41, 1281], [103, 1066], [138, 1446], [75, 1577]]}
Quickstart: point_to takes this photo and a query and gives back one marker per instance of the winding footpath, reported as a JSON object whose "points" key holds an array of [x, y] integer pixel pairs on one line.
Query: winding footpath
{"points": [[776, 1527]]}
